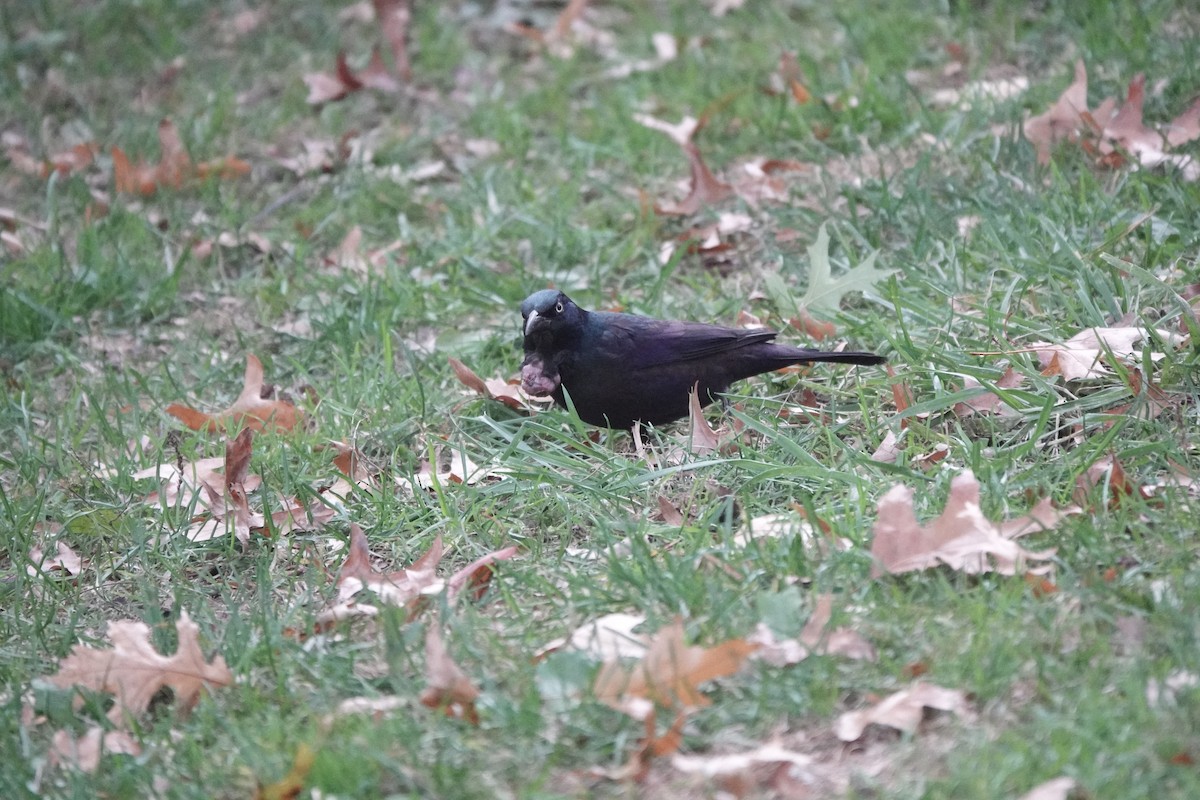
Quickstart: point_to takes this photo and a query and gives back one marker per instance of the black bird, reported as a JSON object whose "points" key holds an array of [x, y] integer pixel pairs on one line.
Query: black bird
{"points": [[620, 368]]}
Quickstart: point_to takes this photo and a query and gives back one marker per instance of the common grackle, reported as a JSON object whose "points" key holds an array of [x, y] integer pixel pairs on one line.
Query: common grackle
{"points": [[620, 368]]}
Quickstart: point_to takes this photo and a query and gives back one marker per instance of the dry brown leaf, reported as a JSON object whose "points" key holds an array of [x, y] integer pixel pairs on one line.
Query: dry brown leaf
{"points": [[1056, 789], [989, 402], [186, 483], [744, 770], [669, 674], [813, 639], [459, 468], [703, 439], [1062, 120], [325, 87], [290, 785], [75, 159], [350, 462], [401, 587], [64, 560], [224, 505], [961, 537], [557, 40], [1156, 401], [903, 710], [815, 328], [511, 393], [348, 254], [84, 753], [705, 189], [608, 638], [396, 588], [375, 706], [1126, 129], [1185, 127], [1114, 134], [133, 671], [394, 17], [680, 132], [229, 506], [1126, 133], [889, 449], [669, 513], [1107, 472], [251, 409], [174, 168], [228, 240], [791, 77], [447, 686], [1080, 356], [666, 50]]}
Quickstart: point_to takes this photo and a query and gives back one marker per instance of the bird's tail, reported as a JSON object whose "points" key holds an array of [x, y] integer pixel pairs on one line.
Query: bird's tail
{"points": [[860, 358]]}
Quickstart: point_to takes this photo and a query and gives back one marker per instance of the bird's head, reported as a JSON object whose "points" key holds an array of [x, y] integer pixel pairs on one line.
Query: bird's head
{"points": [[549, 313]]}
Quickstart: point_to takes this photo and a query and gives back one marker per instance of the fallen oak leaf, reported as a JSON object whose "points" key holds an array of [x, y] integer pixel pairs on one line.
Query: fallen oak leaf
{"points": [[291, 784], [989, 402], [324, 87], [1108, 474], [404, 587], [478, 574], [1152, 404], [813, 639], [174, 168], [705, 189], [84, 753], [1063, 120], [742, 771], [815, 328], [1185, 127], [75, 159], [394, 17], [903, 710], [375, 706], [669, 674], [459, 468], [251, 408], [510, 393], [607, 638], [703, 439], [186, 483], [231, 502], [961, 537], [133, 671], [65, 560], [1080, 356], [71, 160], [447, 686], [681, 132], [1127, 134]]}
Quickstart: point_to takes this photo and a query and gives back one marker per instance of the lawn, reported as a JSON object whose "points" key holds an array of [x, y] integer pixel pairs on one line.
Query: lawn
{"points": [[377, 574]]}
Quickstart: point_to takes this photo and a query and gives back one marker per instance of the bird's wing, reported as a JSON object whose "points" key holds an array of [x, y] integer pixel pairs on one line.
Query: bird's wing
{"points": [[650, 342]]}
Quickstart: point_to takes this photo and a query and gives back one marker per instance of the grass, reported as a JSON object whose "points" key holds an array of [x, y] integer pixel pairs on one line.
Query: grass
{"points": [[105, 320]]}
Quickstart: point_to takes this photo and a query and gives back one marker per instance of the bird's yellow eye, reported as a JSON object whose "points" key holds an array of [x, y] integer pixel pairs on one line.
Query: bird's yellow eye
{"points": [[558, 307]]}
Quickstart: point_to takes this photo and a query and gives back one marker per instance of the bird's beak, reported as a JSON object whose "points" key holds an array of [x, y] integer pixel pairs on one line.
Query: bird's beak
{"points": [[531, 322]]}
